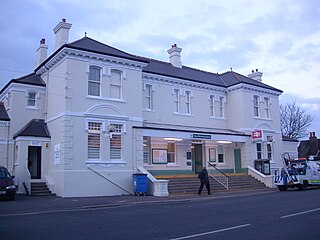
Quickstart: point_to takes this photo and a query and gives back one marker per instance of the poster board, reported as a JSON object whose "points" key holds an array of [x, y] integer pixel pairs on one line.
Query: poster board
{"points": [[159, 156]]}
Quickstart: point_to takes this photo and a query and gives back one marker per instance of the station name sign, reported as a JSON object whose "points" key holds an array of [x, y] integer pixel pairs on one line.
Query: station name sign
{"points": [[201, 136]]}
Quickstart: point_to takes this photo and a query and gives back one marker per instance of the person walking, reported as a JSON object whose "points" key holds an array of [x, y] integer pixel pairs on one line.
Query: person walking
{"points": [[204, 180]]}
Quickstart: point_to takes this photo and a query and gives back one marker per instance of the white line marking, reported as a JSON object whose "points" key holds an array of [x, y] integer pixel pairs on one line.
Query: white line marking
{"points": [[211, 232], [295, 214]]}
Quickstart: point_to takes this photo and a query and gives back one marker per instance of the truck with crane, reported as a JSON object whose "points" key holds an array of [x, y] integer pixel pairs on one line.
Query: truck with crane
{"points": [[298, 173]]}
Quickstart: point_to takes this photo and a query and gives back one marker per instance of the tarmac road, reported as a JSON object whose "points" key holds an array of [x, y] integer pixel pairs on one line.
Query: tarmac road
{"points": [[265, 215]]}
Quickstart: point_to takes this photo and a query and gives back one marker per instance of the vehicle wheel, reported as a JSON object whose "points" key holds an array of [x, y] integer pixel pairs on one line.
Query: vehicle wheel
{"points": [[305, 186], [282, 188]]}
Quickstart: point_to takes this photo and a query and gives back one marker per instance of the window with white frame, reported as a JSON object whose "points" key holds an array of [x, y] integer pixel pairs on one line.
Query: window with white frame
{"points": [[221, 108], [267, 107], [256, 106], [148, 97], [259, 150], [116, 84], [94, 140], [116, 143], [31, 101], [171, 152], [188, 102], [146, 149], [177, 100], [211, 99], [94, 81], [269, 150], [220, 154]]}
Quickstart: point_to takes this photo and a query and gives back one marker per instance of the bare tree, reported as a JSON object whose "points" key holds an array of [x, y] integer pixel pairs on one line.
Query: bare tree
{"points": [[294, 121]]}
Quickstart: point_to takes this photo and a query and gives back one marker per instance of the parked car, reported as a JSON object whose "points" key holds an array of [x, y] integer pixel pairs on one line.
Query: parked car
{"points": [[7, 187]]}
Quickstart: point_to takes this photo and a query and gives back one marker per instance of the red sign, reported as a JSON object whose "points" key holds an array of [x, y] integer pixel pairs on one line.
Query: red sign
{"points": [[257, 134]]}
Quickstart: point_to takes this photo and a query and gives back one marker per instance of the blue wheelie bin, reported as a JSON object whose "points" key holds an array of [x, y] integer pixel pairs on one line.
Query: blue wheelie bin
{"points": [[140, 183]]}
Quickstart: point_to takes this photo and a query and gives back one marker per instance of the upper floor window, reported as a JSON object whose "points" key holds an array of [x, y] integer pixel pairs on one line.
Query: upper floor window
{"points": [[148, 97], [177, 100], [94, 81], [267, 107], [221, 108], [31, 102], [188, 102], [256, 106], [116, 84], [211, 105]]}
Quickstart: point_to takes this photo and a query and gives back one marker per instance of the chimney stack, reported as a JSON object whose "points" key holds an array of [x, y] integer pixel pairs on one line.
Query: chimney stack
{"points": [[62, 33], [174, 56], [313, 143], [42, 52], [256, 75]]}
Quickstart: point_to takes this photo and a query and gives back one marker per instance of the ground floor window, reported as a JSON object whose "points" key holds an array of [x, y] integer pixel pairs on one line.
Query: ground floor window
{"points": [[220, 154], [171, 152], [94, 140], [259, 150], [146, 149], [269, 151], [116, 143]]}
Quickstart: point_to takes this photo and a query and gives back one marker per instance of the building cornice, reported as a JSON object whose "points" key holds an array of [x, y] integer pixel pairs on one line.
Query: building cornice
{"points": [[70, 53], [181, 82], [251, 88]]}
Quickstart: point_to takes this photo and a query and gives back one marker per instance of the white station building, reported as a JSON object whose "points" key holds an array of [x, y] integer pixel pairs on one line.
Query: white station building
{"points": [[90, 116]]}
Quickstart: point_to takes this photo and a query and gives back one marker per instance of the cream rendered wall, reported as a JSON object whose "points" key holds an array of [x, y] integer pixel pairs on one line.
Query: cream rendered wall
{"points": [[69, 107], [164, 107]]}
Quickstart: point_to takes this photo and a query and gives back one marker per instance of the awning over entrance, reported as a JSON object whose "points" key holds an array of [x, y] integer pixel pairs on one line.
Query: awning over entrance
{"points": [[196, 133]]}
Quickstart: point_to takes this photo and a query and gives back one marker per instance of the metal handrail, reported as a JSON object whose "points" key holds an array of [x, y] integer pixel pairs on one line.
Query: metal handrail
{"points": [[109, 180], [223, 179]]}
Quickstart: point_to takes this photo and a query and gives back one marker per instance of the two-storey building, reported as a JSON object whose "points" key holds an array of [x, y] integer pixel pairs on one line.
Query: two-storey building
{"points": [[91, 115]]}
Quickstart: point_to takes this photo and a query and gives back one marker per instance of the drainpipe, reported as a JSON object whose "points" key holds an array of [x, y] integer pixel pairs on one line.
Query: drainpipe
{"points": [[8, 135]]}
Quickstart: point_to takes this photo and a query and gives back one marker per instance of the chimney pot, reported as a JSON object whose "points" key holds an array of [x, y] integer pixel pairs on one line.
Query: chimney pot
{"points": [[43, 41], [257, 70], [63, 20], [256, 75], [252, 71]]}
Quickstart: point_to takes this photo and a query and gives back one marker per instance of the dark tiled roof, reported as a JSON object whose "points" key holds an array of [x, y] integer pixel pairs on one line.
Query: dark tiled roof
{"points": [[89, 44], [30, 79], [164, 68], [34, 128], [3, 113], [288, 139]]}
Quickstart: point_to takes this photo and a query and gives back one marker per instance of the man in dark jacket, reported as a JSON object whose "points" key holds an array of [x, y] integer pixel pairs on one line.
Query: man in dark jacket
{"points": [[204, 180]]}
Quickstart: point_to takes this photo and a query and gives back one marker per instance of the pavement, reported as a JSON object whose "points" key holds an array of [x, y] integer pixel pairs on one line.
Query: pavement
{"points": [[28, 205]]}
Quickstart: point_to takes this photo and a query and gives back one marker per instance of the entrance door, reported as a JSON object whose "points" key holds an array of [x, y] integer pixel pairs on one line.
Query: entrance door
{"points": [[197, 157], [34, 161], [237, 161]]}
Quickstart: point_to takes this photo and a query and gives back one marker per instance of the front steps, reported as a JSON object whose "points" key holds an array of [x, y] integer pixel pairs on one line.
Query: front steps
{"points": [[189, 184], [40, 189]]}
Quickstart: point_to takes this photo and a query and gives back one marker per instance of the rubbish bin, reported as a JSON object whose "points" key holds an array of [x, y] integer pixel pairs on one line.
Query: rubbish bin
{"points": [[139, 183]]}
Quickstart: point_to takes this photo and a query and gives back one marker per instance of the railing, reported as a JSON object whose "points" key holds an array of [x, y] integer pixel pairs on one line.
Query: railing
{"points": [[221, 178], [27, 183], [109, 180]]}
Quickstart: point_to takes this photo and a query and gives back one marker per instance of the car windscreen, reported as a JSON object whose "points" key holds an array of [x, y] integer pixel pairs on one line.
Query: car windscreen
{"points": [[4, 173]]}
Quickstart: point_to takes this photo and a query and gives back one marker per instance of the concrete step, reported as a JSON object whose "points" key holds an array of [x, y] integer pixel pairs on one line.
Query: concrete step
{"points": [[190, 184], [40, 189]]}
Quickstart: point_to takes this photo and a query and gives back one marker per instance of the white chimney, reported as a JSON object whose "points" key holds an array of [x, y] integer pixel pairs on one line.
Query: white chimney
{"points": [[174, 56], [62, 33], [256, 75], [42, 52]]}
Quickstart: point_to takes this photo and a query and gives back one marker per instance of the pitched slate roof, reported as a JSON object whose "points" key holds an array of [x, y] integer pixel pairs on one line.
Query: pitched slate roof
{"points": [[3, 113], [30, 79], [34, 128], [164, 68]]}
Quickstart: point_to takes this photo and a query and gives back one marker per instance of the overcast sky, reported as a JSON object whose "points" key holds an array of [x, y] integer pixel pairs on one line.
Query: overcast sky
{"points": [[281, 38]]}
